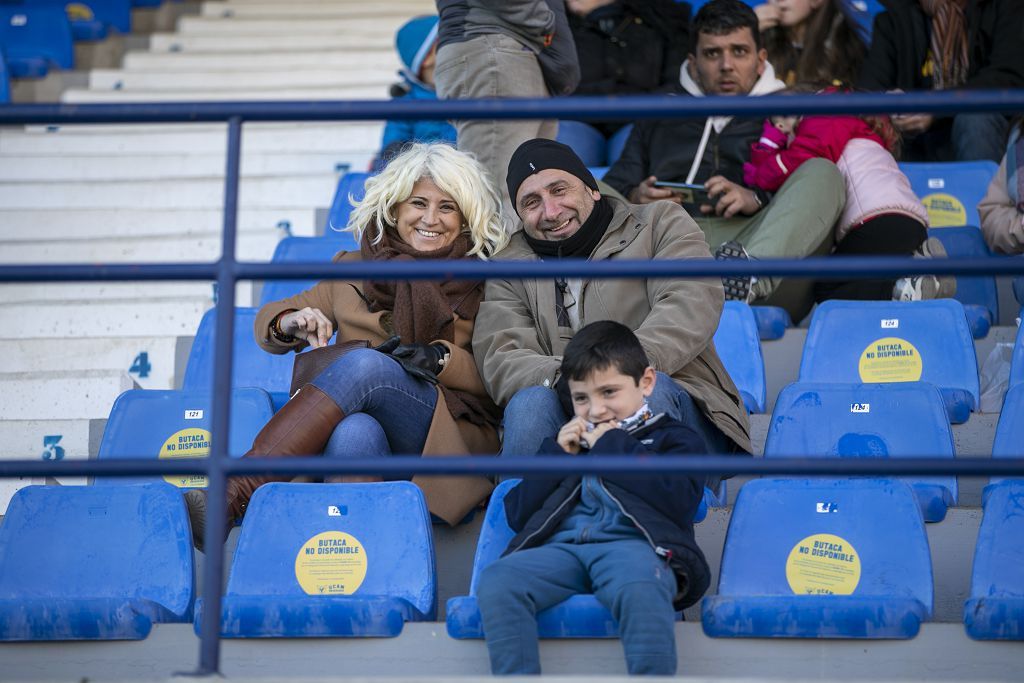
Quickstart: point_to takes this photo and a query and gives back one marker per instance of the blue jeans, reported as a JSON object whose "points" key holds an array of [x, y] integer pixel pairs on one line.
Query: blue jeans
{"points": [[386, 409], [534, 413], [626, 576], [979, 136]]}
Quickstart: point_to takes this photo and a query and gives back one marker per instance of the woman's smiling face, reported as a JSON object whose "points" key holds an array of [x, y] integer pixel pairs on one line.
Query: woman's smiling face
{"points": [[429, 219]]}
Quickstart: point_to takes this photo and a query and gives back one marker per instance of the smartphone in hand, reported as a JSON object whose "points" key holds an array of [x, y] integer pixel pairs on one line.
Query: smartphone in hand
{"points": [[689, 193]]}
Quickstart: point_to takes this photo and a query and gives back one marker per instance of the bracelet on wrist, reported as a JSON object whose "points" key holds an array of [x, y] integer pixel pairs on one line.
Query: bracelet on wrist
{"points": [[277, 332]]}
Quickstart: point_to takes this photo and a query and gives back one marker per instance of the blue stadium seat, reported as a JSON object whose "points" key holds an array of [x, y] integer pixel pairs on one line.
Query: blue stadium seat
{"points": [[894, 341], [349, 184], [298, 249], [739, 347], [588, 142], [581, 616], [1018, 289], [995, 609], [617, 143], [5, 79], [84, 19], [977, 294], [772, 321], [1009, 439], [251, 367], [868, 421], [330, 560], [154, 424], [94, 562], [35, 39], [822, 558], [862, 13], [1017, 363], [950, 190]]}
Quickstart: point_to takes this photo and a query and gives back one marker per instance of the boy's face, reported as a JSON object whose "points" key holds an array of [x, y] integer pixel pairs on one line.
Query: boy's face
{"points": [[608, 394]]}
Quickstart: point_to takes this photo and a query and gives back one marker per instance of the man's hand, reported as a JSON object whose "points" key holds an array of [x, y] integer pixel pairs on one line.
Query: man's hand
{"points": [[309, 324], [569, 435], [590, 438], [646, 192], [912, 124], [730, 199]]}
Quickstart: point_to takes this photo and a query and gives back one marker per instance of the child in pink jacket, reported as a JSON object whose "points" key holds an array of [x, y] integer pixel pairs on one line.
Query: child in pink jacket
{"points": [[882, 213]]}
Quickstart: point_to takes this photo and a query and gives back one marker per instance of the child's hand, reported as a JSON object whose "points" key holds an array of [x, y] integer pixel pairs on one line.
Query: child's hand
{"points": [[570, 434], [590, 437]]}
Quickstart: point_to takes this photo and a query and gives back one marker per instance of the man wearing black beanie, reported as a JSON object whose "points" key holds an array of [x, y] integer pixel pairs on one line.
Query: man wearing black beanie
{"points": [[523, 325]]}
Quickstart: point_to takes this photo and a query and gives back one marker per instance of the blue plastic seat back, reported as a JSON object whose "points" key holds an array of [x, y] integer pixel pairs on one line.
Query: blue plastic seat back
{"points": [[979, 292], [350, 188], [68, 554], [617, 143], [251, 367], [299, 249], [1018, 289], [156, 424], [5, 79], [813, 419], [772, 321], [950, 190], [588, 142], [862, 13], [892, 341], [116, 14], [738, 343], [995, 609], [302, 542], [1009, 438], [823, 558], [35, 39], [1017, 362]]}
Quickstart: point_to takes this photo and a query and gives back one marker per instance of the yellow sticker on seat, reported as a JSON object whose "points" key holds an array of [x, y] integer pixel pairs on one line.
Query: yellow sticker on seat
{"points": [[823, 564], [186, 443], [944, 210], [331, 563], [890, 359]]}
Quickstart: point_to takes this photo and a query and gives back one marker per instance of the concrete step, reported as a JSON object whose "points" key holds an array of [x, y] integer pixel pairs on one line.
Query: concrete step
{"points": [[39, 225], [279, 191], [381, 58], [340, 28], [344, 139], [78, 318], [275, 77], [101, 168], [46, 440], [280, 42], [81, 96], [62, 395], [305, 8], [42, 292], [156, 369]]}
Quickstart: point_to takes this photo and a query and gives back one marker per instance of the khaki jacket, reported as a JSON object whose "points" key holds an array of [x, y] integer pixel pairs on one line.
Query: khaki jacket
{"points": [[341, 301], [517, 342], [1001, 223]]}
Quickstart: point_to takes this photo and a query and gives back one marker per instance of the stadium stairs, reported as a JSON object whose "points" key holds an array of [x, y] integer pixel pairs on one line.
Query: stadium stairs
{"points": [[153, 193]]}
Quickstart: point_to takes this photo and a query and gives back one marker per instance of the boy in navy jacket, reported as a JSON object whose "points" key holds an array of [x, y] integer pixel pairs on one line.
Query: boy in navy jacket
{"points": [[628, 540]]}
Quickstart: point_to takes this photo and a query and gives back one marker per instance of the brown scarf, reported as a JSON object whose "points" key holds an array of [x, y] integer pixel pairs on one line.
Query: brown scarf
{"points": [[948, 42], [424, 311]]}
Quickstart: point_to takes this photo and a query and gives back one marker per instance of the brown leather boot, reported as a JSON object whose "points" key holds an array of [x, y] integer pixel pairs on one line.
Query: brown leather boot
{"points": [[302, 427]]}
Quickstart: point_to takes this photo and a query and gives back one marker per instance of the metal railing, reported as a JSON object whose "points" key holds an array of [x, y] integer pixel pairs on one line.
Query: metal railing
{"points": [[226, 271]]}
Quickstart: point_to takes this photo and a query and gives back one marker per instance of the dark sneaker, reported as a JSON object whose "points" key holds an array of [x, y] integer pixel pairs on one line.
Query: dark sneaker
{"points": [[195, 501], [737, 287]]}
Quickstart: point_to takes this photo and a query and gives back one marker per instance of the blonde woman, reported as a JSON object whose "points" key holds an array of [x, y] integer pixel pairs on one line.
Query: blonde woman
{"points": [[420, 393]]}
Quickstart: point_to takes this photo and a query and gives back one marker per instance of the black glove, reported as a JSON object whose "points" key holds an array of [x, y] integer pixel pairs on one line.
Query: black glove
{"points": [[390, 345], [421, 360]]}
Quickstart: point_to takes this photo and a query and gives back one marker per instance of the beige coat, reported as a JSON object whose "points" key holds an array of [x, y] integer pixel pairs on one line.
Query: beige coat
{"points": [[1001, 223], [340, 300], [518, 343]]}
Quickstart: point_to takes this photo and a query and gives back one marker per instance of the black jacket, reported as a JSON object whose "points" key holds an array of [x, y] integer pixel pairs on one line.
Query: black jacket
{"points": [[661, 506], [900, 42]]}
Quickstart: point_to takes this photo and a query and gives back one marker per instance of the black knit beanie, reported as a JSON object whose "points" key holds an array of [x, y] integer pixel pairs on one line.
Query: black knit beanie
{"points": [[538, 154]]}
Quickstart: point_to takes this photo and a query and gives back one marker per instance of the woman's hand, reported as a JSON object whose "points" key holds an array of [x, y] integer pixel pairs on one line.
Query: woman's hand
{"points": [[308, 324], [767, 16], [570, 434]]}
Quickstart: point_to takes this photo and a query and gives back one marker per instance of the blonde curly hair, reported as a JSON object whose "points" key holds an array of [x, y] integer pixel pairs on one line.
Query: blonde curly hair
{"points": [[455, 173]]}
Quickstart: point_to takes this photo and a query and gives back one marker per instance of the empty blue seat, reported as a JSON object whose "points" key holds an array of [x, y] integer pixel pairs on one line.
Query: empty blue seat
{"points": [[1018, 289], [739, 346], [813, 419], [341, 206], [5, 79], [251, 367], [772, 321], [587, 141], [299, 249], [995, 609], [1009, 438], [35, 39], [322, 560], [1017, 362], [617, 143], [156, 424], [894, 341], [950, 191], [94, 562], [977, 294], [581, 616], [822, 558], [862, 13], [85, 24]]}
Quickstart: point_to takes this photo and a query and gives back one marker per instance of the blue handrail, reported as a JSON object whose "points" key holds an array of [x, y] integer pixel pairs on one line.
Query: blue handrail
{"points": [[227, 271]]}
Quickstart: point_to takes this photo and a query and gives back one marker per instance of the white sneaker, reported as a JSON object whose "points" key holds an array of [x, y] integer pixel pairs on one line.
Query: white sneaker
{"points": [[926, 287]]}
